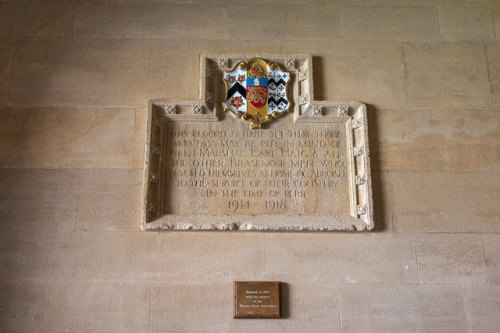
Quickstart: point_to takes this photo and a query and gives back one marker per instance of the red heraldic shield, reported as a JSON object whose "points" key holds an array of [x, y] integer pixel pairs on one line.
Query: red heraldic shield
{"points": [[257, 96]]}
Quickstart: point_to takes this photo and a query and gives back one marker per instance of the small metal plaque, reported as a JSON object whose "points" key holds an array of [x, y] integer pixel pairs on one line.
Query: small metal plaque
{"points": [[257, 299]]}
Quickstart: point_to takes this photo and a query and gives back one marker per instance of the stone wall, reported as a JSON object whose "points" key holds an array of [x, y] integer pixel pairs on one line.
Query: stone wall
{"points": [[75, 79]]}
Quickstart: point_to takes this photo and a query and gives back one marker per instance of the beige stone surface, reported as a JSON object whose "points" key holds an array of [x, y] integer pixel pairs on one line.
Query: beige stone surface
{"points": [[461, 23], [37, 210], [389, 23], [42, 19], [96, 72], [493, 57], [212, 257], [210, 304], [491, 245], [483, 305], [66, 137], [339, 258], [358, 70], [432, 78], [92, 306], [112, 20], [10, 254], [22, 304], [60, 255], [445, 202], [194, 21], [450, 258], [6, 56], [496, 19], [435, 140], [403, 308]]}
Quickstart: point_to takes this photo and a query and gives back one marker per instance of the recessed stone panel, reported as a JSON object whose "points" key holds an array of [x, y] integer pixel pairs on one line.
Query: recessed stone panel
{"points": [[301, 167]]}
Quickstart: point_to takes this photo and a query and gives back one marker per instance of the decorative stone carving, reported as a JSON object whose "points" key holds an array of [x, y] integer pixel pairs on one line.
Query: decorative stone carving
{"points": [[356, 123], [170, 108], [317, 111], [223, 63], [361, 209], [290, 64], [303, 99], [204, 172], [359, 180], [197, 109], [358, 151], [302, 74], [343, 110]]}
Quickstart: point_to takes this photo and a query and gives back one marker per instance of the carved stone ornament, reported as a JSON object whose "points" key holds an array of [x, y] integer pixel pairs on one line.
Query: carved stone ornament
{"points": [[257, 152]]}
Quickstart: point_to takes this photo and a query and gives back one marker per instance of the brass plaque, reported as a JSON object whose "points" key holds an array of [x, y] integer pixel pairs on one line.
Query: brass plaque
{"points": [[257, 299]]}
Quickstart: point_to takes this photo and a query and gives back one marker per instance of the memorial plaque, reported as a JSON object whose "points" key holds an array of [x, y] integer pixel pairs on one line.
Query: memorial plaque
{"points": [[257, 152], [254, 299]]}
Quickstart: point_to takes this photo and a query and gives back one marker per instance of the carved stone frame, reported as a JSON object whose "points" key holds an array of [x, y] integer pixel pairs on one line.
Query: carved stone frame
{"points": [[304, 109]]}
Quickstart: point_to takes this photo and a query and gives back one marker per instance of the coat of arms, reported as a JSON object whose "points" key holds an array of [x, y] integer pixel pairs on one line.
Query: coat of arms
{"points": [[256, 91]]}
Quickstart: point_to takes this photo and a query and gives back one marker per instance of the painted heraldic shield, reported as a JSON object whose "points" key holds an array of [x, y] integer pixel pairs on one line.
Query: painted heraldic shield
{"points": [[256, 91]]}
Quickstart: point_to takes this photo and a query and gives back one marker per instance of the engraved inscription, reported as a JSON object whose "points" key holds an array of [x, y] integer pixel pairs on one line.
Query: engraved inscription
{"points": [[222, 170]]}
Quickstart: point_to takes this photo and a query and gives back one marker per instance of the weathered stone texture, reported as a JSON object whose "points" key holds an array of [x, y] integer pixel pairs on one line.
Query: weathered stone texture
{"points": [[75, 79], [403, 308], [445, 202], [461, 23], [450, 258], [432, 78], [389, 23], [483, 303]]}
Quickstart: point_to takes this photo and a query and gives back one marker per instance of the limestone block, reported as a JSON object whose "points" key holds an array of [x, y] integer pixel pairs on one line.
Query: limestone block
{"points": [[124, 256], [168, 76], [112, 20], [496, 19], [109, 72], [311, 23], [6, 55], [60, 255], [445, 202], [491, 243], [435, 140], [403, 308], [389, 23], [84, 306], [66, 137], [360, 70], [10, 253], [108, 211], [210, 304], [483, 305], [450, 258], [343, 258], [22, 304], [272, 20], [189, 21], [460, 23], [37, 211], [493, 57], [434, 81], [42, 19], [211, 257], [38, 180]]}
